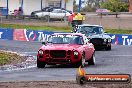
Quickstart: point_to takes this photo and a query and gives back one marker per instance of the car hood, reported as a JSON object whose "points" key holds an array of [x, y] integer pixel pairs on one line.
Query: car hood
{"points": [[60, 47], [98, 36], [37, 11]]}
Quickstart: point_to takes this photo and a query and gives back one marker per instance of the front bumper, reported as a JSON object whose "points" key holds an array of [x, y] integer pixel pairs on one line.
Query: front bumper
{"points": [[99, 42], [59, 60], [59, 57]]}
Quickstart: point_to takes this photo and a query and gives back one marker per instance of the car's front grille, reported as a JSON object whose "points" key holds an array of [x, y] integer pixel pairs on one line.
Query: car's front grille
{"points": [[97, 41], [69, 52], [58, 53]]}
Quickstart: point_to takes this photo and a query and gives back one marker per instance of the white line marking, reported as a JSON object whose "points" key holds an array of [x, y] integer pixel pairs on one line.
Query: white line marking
{"points": [[28, 52], [122, 55]]}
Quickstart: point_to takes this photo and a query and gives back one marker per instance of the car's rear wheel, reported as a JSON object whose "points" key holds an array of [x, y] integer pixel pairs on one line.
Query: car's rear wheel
{"points": [[81, 62], [40, 64], [92, 60], [36, 17], [47, 18]]}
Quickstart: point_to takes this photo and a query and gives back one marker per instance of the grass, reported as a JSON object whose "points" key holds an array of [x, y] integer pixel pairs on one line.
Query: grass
{"points": [[8, 58], [4, 58], [63, 29], [49, 28], [118, 31]]}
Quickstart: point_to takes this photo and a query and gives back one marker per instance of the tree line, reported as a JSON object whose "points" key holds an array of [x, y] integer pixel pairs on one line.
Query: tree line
{"points": [[112, 5]]}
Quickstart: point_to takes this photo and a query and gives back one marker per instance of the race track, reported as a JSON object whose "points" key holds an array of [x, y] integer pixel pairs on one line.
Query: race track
{"points": [[116, 61]]}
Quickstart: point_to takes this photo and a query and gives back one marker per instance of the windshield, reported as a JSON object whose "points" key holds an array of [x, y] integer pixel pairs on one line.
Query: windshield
{"points": [[65, 39], [90, 30]]}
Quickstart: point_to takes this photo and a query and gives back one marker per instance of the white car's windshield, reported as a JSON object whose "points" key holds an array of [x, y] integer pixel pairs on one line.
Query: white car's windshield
{"points": [[65, 39], [90, 30]]}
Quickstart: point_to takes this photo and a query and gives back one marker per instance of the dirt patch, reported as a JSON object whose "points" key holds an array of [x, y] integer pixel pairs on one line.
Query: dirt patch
{"points": [[59, 84]]}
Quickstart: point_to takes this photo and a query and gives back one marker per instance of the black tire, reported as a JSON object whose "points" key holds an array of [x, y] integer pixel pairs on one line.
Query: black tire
{"points": [[92, 60], [108, 47], [65, 18], [81, 62], [47, 18], [81, 80], [40, 64]]}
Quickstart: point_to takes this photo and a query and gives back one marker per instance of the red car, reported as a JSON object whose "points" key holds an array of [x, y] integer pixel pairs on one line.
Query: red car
{"points": [[66, 48]]}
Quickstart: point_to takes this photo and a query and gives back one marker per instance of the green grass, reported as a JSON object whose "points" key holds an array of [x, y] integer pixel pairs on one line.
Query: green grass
{"points": [[118, 31], [49, 28], [63, 29], [7, 58], [4, 58]]}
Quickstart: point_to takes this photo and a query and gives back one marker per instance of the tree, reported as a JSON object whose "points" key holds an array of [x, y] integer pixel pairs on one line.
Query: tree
{"points": [[90, 6], [75, 6], [115, 5]]}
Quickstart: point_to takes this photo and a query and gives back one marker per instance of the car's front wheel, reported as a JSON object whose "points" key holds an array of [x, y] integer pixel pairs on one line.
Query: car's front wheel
{"points": [[81, 62], [40, 64], [92, 60]]}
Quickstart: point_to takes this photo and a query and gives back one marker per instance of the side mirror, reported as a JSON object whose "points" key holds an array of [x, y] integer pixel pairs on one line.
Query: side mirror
{"points": [[44, 43]]}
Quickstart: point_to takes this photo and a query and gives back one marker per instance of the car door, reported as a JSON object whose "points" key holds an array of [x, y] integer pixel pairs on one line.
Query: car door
{"points": [[61, 14], [56, 13], [42, 14], [52, 14]]}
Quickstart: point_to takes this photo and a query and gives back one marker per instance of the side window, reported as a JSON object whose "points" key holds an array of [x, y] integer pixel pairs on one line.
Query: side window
{"points": [[59, 11], [63, 11], [79, 40], [101, 30]]}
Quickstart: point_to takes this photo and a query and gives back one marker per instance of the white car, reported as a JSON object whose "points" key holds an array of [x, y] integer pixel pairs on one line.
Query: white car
{"points": [[55, 14]]}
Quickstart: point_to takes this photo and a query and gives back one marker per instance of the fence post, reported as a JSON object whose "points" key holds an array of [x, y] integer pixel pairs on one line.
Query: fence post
{"points": [[101, 16], [0, 17]]}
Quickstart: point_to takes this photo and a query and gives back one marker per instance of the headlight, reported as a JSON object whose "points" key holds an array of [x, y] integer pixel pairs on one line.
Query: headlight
{"points": [[75, 53], [105, 40], [109, 40], [41, 52]]}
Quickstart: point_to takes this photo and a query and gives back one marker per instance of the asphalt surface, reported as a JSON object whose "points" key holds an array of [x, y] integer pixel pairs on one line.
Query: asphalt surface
{"points": [[116, 61]]}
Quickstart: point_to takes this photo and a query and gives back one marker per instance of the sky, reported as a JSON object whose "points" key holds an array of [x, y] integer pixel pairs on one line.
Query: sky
{"points": [[77, 1]]}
